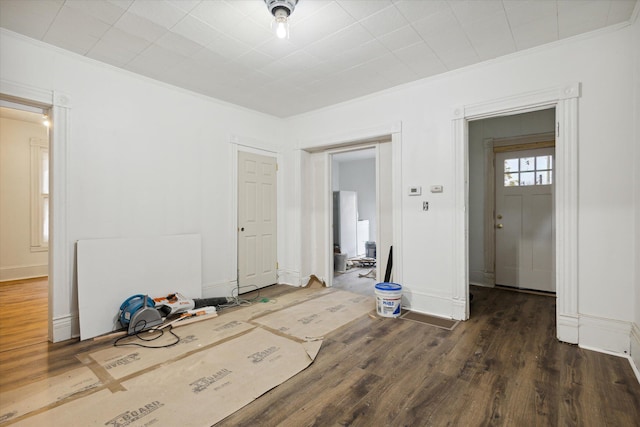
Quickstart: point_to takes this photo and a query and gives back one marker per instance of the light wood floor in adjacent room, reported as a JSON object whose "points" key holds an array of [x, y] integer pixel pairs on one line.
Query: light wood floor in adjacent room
{"points": [[501, 367], [23, 313]]}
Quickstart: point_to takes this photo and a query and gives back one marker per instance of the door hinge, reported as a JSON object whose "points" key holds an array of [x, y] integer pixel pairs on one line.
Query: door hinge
{"points": [[277, 265], [557, 129]]}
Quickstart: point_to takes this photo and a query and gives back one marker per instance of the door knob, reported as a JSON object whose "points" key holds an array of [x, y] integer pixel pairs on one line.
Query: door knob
{"points": [[242, 229], [499, 216], [499, 226]]}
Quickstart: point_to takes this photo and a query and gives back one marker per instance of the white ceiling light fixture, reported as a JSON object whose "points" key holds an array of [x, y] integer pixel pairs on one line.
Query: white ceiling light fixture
{"points": [[281, 10]]}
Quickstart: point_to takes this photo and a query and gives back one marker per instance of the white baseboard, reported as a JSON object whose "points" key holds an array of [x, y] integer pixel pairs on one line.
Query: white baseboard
{"points": [[606, 335], [291, 277], [568, 326], [435, 305], [24, 272], [64, 328], [635, 350]]}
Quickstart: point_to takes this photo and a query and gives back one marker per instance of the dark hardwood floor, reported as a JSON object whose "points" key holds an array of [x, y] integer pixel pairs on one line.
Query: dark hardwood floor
{"points": [[501, 367]]}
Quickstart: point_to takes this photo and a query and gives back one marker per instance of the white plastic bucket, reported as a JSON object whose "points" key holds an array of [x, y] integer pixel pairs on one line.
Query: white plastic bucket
{"points": [[388, 299]]}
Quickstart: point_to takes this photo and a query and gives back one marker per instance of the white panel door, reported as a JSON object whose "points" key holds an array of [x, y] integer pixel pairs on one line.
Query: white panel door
{"points": [[257, 246], [525, 229]]}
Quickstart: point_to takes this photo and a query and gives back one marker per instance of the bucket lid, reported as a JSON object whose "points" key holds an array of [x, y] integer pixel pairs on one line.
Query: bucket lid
{"points": [[388, 286]]}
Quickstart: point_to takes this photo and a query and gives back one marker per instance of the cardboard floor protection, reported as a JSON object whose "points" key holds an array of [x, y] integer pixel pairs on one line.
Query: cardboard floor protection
{"points": [[316, 317], [122, 361], [220, 365], [15, 403], [199, 390]]}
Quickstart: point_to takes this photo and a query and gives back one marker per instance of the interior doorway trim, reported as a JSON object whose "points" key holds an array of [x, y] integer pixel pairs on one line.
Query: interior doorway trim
{"points": [[565, 100], [63, 315], [349, 140]]}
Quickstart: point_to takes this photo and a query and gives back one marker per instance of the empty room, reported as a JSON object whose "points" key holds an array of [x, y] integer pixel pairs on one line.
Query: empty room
{"points": [[187, 185]]}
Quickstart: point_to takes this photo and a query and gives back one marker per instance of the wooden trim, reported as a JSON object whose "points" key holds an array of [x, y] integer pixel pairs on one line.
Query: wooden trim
{"points": [[521, 147]]}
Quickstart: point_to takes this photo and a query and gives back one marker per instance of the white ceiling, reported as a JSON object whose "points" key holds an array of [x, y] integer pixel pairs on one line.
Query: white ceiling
{"points": [[338, 50]]}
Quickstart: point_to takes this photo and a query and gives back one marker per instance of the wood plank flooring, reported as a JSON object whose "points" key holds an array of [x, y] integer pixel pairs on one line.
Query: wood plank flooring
{"points": [[23, 313], [502, 367]]}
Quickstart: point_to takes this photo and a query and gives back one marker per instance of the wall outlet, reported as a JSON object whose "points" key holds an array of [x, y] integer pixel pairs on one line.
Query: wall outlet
{"points": [[425, 206]]}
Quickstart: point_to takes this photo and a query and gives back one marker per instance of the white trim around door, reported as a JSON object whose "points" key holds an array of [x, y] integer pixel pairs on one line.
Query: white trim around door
{"points": [[565, 100]]}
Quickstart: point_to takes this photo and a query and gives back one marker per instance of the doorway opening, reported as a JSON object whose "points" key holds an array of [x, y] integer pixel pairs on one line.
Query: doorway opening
{"points": [[24, 222], [355, 220], [511, 201]]}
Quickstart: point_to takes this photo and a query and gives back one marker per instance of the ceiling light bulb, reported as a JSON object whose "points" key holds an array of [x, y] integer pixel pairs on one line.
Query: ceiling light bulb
{"points": [[281, 30], [281, 23], [46, 121]]}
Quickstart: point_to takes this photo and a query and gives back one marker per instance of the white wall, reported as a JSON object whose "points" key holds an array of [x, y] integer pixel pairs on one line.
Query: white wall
{"points": [[499, 127], [602, 62], [144, 158], [17, 261]]}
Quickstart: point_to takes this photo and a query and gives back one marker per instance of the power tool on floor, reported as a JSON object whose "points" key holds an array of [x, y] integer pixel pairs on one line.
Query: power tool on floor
{"points": [[140, 312]]}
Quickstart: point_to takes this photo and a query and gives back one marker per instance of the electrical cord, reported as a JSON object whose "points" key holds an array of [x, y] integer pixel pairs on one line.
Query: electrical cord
{"points": [[169, 329]]}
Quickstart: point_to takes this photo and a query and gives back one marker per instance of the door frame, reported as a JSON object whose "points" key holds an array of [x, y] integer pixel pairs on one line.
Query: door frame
{"points": [[250, 145], [63, 321], [322, 218], [565, 101], [490, 193]]}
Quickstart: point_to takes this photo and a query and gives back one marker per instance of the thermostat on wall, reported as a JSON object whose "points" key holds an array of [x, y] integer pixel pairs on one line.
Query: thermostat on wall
{"points": [[415, 191]]}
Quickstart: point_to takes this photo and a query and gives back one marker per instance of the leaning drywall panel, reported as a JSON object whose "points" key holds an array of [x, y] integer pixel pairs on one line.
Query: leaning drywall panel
{"points": [[111, 270]]}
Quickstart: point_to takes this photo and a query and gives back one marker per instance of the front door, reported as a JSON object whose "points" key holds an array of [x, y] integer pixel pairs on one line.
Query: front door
{"points": [[257, 255], [524, 218]]}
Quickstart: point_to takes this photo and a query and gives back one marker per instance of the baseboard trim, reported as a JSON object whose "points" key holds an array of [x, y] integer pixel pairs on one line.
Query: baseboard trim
{"points": [[291, 277], [64, 328], [25, 272], [634, 359], [606, 335], [568, 328]]}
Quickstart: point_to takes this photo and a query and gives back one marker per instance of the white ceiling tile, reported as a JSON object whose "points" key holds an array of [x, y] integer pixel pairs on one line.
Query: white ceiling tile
{"points": [[491, 37], [469, 11], [160, 12], [186, 5], [228, 47], [325, 22], [306, 8], [403, 37], [393, 69], [331, 46], [421, 59], [361, 9], [140, 27], [74, 30], [520, 12], [578, 16], [416, 10], [251, 32], [248, 7], [196, 30], [118, 46], [208, 59], [29, 18], [218, 14], [124, 4], [535, 33], [252, 60], [620, 11], [178, 44], [384, 21], [277, 48], [155, 61], [103, 11]]}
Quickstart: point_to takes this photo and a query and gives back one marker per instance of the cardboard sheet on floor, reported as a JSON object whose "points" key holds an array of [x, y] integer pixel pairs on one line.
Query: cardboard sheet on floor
{"points": [[15, 403], [122, 361], [318, 316], [198, 390]]}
